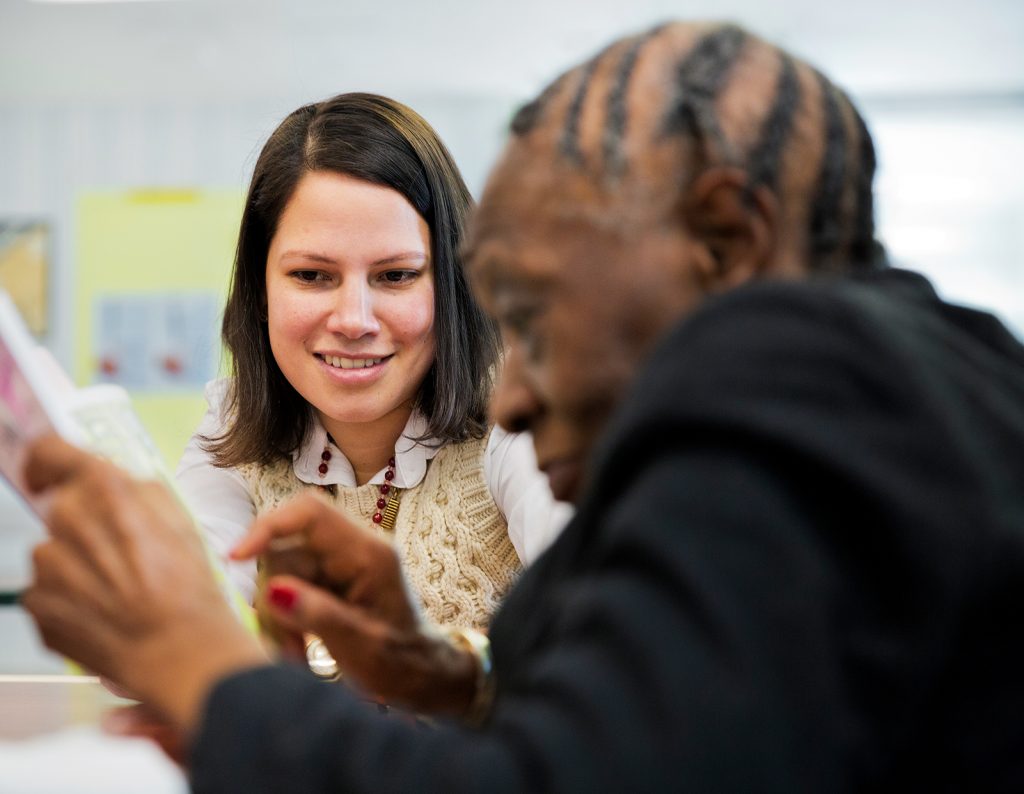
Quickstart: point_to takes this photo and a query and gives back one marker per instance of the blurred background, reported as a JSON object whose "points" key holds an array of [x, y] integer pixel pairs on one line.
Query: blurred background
{"points": [[128, 131]]}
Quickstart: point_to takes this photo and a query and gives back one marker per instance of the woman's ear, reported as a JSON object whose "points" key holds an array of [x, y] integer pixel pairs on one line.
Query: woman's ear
{"points": [[733, 226]]}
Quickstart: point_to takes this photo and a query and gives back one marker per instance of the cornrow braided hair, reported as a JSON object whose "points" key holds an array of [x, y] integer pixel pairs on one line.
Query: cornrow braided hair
{"points": [[864, 248], [839, 200], [569, 142], [766, 156], [529, 115], [699, 79], [826, 226], [617, 117]]}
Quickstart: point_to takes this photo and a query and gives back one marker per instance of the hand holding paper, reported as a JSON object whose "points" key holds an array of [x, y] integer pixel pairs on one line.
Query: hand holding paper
{"points": [[122, 586]]}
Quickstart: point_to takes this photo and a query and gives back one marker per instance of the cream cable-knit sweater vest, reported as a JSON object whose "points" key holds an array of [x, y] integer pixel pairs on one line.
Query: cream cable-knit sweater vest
{"points": [[450, 537]]}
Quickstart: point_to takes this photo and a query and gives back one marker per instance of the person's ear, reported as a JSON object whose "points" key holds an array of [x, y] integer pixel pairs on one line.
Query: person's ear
{"points": [[733, 226]]}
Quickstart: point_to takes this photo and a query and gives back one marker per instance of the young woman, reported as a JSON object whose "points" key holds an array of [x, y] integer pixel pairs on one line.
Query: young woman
{"points": [[362, 366]]}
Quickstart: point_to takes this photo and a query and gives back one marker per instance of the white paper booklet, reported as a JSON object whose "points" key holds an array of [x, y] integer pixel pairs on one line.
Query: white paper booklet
{"points": [[37, 397]]}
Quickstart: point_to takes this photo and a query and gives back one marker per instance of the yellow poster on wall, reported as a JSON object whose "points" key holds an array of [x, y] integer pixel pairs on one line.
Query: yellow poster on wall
{"points": [[152, 270], [24, 269]]}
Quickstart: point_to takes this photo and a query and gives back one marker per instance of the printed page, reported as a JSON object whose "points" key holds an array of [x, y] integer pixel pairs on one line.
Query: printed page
{"points": [[28, 404]]}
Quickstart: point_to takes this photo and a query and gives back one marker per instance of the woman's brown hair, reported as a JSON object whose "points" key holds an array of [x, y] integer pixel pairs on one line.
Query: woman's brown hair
{"points": [[381, 141]]}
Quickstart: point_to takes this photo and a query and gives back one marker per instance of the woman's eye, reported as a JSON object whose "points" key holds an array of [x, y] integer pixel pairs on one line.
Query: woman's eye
{"points": [[308, 276], [399, 276]]}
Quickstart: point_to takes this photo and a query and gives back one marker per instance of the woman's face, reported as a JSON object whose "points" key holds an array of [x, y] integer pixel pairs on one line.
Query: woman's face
{"points": [[350, 298]]}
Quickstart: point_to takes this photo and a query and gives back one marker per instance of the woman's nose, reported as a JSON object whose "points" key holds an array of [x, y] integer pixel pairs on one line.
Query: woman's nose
{"points": [[353, 314]]}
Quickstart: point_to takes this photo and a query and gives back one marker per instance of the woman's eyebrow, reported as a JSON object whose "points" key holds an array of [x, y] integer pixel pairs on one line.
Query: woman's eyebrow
{"points": [[297, 253], [405, 256]]}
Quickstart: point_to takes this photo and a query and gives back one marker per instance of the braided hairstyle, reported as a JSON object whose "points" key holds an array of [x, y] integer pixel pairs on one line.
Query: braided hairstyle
{"points": [[668, 103]]}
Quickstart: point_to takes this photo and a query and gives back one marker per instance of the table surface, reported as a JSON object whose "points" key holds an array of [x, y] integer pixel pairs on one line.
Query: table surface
{"points": [[51, 742], [31, 705]]}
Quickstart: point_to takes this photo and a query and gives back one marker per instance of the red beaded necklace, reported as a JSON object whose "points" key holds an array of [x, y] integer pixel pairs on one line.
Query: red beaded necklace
{"points": [[390, 496]]}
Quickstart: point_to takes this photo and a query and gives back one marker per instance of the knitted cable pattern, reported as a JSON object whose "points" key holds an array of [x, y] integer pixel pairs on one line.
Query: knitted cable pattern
{"points": [[451, 539]]}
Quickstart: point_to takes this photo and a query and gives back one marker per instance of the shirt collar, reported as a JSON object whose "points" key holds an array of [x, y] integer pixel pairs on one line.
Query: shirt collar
{"points": [[411, 457]]}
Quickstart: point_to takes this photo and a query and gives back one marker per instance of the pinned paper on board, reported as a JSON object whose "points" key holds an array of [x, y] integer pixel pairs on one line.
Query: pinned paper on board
{"points": [[156, 342], [24, 269], [152, 269]]}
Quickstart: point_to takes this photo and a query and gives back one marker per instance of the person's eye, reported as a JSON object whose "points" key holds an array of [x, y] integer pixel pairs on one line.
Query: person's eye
{"points": [[518, 320], [399, 276], [521, 323], [309, 276]]}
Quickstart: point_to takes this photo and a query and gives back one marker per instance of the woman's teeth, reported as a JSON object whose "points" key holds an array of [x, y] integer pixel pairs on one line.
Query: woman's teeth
{"points": [[351, 363]]}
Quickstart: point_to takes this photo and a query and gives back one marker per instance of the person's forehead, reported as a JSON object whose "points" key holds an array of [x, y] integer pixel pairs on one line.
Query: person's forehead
{"points": [[512, 255], [544, 219], [533, 230]]}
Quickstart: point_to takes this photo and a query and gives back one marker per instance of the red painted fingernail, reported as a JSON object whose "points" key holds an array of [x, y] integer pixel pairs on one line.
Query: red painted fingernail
{"points": [[282, 597]]}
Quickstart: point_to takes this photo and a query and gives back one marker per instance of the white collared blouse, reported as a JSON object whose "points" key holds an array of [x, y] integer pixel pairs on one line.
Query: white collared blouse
{"points": [[221, 501]]}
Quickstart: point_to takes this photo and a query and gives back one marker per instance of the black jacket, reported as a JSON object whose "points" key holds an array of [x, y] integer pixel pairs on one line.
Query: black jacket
{"points": [[798, 566]]}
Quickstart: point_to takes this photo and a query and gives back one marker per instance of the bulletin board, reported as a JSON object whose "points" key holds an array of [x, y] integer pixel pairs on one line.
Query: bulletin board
{"points": [[151, 275], [25, 269]]}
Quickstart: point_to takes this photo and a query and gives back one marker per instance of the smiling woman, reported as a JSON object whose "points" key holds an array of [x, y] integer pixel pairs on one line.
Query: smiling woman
{"points": [[350, 305], [362, 365]]}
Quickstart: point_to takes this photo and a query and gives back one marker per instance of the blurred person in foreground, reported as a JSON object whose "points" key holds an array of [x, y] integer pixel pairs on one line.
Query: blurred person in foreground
{"points": [[798, 555]]}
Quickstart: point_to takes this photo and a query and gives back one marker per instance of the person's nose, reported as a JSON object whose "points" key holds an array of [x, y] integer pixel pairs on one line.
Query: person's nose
{"points": [[515, 405], [353, 314]]}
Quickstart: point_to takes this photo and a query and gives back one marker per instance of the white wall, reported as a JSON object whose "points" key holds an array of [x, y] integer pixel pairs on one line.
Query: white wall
{"points": [[951, 200]]}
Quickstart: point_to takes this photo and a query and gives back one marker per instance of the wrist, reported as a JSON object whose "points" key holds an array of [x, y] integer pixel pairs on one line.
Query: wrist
{"points": [[175, 672], [475, 646], [449, 675]]}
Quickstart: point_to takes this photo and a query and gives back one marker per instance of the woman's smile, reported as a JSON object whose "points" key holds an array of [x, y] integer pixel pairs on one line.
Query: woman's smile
{"points": [[353, 371], [346, 362]]}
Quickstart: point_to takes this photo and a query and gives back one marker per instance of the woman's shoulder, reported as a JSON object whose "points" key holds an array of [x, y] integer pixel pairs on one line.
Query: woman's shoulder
{"points": [[505, 448], [216, 393], [498, 454], [493, 447], [279, 470], [214, 420], [472, 448]]}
